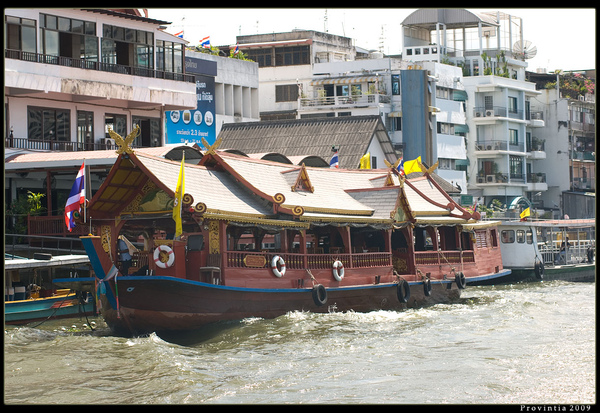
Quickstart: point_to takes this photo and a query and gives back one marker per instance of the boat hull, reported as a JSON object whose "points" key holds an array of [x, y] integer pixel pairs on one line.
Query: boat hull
{"points": [[572, 273], [26, 311], [168, 304]]}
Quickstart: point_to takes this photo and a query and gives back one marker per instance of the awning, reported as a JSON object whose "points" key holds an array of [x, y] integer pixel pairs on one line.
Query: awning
{"points": [[345, 80]]}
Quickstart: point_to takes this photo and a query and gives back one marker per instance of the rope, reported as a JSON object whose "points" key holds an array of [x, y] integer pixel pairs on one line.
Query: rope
{"points": [[54, 312], [312, 277]]}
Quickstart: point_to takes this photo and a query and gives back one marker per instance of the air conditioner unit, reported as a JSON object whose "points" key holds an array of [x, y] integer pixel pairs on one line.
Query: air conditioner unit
{"points": [[489, 147], [489, 113], [109, 143], [490, 178], [480, 180], [478, 114]]}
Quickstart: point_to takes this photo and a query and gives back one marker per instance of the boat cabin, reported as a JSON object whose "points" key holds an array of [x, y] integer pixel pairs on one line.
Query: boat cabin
{"points": [[262, 224]]}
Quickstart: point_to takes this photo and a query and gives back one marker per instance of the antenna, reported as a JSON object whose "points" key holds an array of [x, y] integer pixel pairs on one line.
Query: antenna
{"points": [[524, 50]]}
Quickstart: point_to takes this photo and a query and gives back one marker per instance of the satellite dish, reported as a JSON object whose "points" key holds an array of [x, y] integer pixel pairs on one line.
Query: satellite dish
{"points": [[524, 50]]}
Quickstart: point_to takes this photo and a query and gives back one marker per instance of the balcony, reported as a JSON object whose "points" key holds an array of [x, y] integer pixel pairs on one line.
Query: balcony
{"points": [[498, 145], [353, 101], [98, 66], [62, 146]]}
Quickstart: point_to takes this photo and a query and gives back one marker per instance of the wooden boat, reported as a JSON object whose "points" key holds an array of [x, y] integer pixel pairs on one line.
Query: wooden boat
{"points": [[261, 239], [59, 304], [29, 295], [533, 250]]}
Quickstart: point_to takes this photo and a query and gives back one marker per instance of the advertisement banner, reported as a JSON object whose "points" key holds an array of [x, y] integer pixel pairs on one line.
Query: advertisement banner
{"points": [[193, 125]]}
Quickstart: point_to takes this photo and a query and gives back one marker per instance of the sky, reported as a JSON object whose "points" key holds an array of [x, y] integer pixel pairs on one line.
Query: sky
{"points": [[565, 38]]}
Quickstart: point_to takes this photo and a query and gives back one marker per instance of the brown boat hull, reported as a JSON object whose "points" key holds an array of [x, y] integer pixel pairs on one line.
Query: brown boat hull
{"points": [[168, 304]]}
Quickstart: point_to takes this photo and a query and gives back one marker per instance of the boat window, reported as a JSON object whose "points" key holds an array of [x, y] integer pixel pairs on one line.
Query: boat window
{"points": [[529, 236], [508, 236], [520, 236], [195, 242], [494, 236]]}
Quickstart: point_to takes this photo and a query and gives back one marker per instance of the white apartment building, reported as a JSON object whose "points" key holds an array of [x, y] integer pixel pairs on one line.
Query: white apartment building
{"points": [[70, 74], [504, 161], [235, 90]]}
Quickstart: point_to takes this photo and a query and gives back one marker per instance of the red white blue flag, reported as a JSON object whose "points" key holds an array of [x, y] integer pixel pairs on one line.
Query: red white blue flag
{"points": [[205, 42], [335, 161], [180, 34], [76, 198]]}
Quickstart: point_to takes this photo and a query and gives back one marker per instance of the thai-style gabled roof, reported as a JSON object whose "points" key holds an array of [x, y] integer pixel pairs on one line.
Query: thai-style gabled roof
{"points": [[241, 189], [299, 137]]}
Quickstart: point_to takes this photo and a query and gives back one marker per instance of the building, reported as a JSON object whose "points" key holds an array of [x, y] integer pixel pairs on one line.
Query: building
{"points": [[70, 74], [285, 62], [503, 162], [351, 136], [569, 141], [234, 92]]}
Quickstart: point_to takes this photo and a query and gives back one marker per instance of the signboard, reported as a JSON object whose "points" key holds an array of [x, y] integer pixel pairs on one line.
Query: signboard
{"points": [[193, 125]]}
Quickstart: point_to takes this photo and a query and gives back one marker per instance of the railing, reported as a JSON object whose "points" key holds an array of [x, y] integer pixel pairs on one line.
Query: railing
{"points": [[499, 145], [63, 146], [21, 245], [576, 254], [54, 226], [347, 101], [443, 257], [94, 65], [295, 261]]}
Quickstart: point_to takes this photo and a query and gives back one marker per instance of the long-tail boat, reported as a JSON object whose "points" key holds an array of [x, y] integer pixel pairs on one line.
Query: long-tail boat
{"points": [[260, 239]]}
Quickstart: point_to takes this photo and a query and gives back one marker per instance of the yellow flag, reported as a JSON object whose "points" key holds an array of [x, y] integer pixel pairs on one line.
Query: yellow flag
{"points": [[365, 161], [179, 191], [525, 213], [412, 166]]}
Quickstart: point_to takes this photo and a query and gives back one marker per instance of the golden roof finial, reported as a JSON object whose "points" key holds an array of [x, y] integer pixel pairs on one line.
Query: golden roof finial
{"points": [[124, 144]]}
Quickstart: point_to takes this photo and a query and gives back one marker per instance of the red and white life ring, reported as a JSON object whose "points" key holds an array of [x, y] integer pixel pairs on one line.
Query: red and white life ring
{"points": [[278, 272], [338, 270], [170, 253]]}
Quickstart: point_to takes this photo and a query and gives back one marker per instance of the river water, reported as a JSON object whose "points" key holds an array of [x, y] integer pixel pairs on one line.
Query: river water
{"points": [[519, 344]]}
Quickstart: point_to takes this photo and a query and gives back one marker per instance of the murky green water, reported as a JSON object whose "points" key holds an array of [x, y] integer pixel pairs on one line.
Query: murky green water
{"points": [[522, 344]]}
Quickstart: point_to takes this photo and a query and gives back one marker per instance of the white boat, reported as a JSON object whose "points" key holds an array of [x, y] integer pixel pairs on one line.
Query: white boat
{"points": [[535, 251]]}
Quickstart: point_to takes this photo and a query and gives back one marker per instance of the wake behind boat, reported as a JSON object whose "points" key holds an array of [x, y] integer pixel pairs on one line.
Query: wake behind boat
{"points": [[260, 239]]}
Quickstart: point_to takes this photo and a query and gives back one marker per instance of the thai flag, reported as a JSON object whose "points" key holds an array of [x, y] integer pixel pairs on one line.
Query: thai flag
{"points": [[401, 166], [205, 42], [236, 50], [76, 198], [334, 162], [180, 34]]}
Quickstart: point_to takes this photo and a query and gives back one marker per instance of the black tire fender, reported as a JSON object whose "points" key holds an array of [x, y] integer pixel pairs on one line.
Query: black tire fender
{"points": [[403, 290], [319, 294]]}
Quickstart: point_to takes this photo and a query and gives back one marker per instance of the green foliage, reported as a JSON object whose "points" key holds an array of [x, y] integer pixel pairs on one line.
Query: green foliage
{"points": [[22, 207]]}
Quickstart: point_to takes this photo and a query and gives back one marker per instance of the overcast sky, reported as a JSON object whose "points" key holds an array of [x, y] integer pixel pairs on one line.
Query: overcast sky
{"points": [[565, 38]]}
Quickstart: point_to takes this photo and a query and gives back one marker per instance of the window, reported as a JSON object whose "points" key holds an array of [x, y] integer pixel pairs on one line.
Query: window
{"points": [[281, 56], [20, 34], [513, 136], [286, 93], [512, 104], [516, 166], [85, 130], [134, 48], [529, 236], [261, 56], [508, 236], [48, 124], [66, 37], [494, 237], [118, 123], [520, 236]]}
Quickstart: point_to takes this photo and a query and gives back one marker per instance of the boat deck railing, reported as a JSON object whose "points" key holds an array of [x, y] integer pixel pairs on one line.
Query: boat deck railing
{"points": [[297, 261], [577, 253]]}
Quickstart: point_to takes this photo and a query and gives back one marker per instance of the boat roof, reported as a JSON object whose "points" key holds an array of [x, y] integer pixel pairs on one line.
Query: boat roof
{"points": [[240, 189], [554, 223]]}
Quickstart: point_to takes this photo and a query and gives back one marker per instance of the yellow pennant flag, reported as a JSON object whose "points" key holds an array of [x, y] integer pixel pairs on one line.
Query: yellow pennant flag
{"points": [[365, 161], [525, 214], [179, 191], [412, 166]]}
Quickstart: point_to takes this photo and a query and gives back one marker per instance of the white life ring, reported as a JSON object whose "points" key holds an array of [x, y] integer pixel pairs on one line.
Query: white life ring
{"points": [[278, 272], [338, 270], [169, 251]]}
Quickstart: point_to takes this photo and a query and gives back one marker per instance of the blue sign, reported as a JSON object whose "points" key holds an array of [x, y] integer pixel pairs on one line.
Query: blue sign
{"points": [[193, 125]]}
